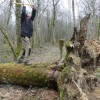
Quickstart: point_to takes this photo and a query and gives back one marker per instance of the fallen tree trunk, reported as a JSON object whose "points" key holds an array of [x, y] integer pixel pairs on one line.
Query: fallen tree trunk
{"points": [[19, 74]]}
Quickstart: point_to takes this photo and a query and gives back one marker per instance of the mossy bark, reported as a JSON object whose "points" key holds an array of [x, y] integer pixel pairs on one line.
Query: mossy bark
{"points": [[8, 40], [61, 45], [75, 80], [18, 27], [24, 75]]}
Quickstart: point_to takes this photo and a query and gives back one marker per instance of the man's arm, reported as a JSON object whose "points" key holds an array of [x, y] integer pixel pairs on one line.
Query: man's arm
{"points": [[33, 13], [23, 15]]}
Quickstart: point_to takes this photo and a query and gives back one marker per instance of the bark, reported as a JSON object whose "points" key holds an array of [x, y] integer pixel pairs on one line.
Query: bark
{"points": [[54, 21], [91, 50], [18, 27], [98, 30], [73, 10], [61, 45], [19, 74]]}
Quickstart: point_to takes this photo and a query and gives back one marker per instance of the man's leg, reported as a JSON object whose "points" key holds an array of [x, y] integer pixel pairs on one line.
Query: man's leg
{"points": [[22, 53], [27, 50]]}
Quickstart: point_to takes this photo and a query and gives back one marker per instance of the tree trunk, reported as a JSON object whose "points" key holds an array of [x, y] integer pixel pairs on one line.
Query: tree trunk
{"points": [[9, 42], [18, 26], [73, 9], [19, 74], [54, 21], [53, 24], [99, 30]]}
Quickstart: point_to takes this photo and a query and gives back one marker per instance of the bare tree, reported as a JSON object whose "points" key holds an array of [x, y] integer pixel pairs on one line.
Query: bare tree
{"points": [[73, 9], [54, 3], [18, 26]]}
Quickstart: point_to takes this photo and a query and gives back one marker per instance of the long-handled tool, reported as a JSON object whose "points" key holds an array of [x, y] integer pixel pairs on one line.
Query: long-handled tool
{"points": [[22, 4]]}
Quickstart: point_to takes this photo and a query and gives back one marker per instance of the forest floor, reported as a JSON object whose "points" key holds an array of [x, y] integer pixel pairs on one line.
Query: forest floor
{"points": [[45, 54], [11, 92], [41, 54]]}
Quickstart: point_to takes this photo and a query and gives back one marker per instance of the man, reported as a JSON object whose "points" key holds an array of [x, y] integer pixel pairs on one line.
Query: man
{"points": [[26, 34]]}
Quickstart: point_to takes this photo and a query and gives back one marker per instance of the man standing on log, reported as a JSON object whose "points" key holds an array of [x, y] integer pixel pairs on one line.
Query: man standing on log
{"points": [[26, 34]]}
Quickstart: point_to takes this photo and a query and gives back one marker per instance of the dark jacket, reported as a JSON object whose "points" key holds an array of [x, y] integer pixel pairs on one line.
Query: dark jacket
{"points": [[27, 26]]}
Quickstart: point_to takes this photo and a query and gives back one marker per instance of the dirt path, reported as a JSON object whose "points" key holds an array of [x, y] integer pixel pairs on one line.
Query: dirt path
{"points": [[10, 92], [45, 54]]}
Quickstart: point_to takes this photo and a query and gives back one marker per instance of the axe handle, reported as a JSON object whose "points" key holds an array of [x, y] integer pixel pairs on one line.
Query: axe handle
{"points": [[22, 4]]}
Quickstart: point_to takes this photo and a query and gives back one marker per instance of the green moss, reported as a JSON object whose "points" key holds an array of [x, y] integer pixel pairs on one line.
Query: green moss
{"points": [[23, 75], [34, 65], [41, 65], [64, 74], [62, 95], [68, 47], [61, 42], [67, 44], [61, 45]]}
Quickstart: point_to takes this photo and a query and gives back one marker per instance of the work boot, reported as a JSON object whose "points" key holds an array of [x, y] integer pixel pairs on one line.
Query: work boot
{"points": [[27, 63], [22, 56]]}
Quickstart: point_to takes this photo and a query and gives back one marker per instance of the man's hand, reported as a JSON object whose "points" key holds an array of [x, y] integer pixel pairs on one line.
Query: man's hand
{"points": [[33, 7]]}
